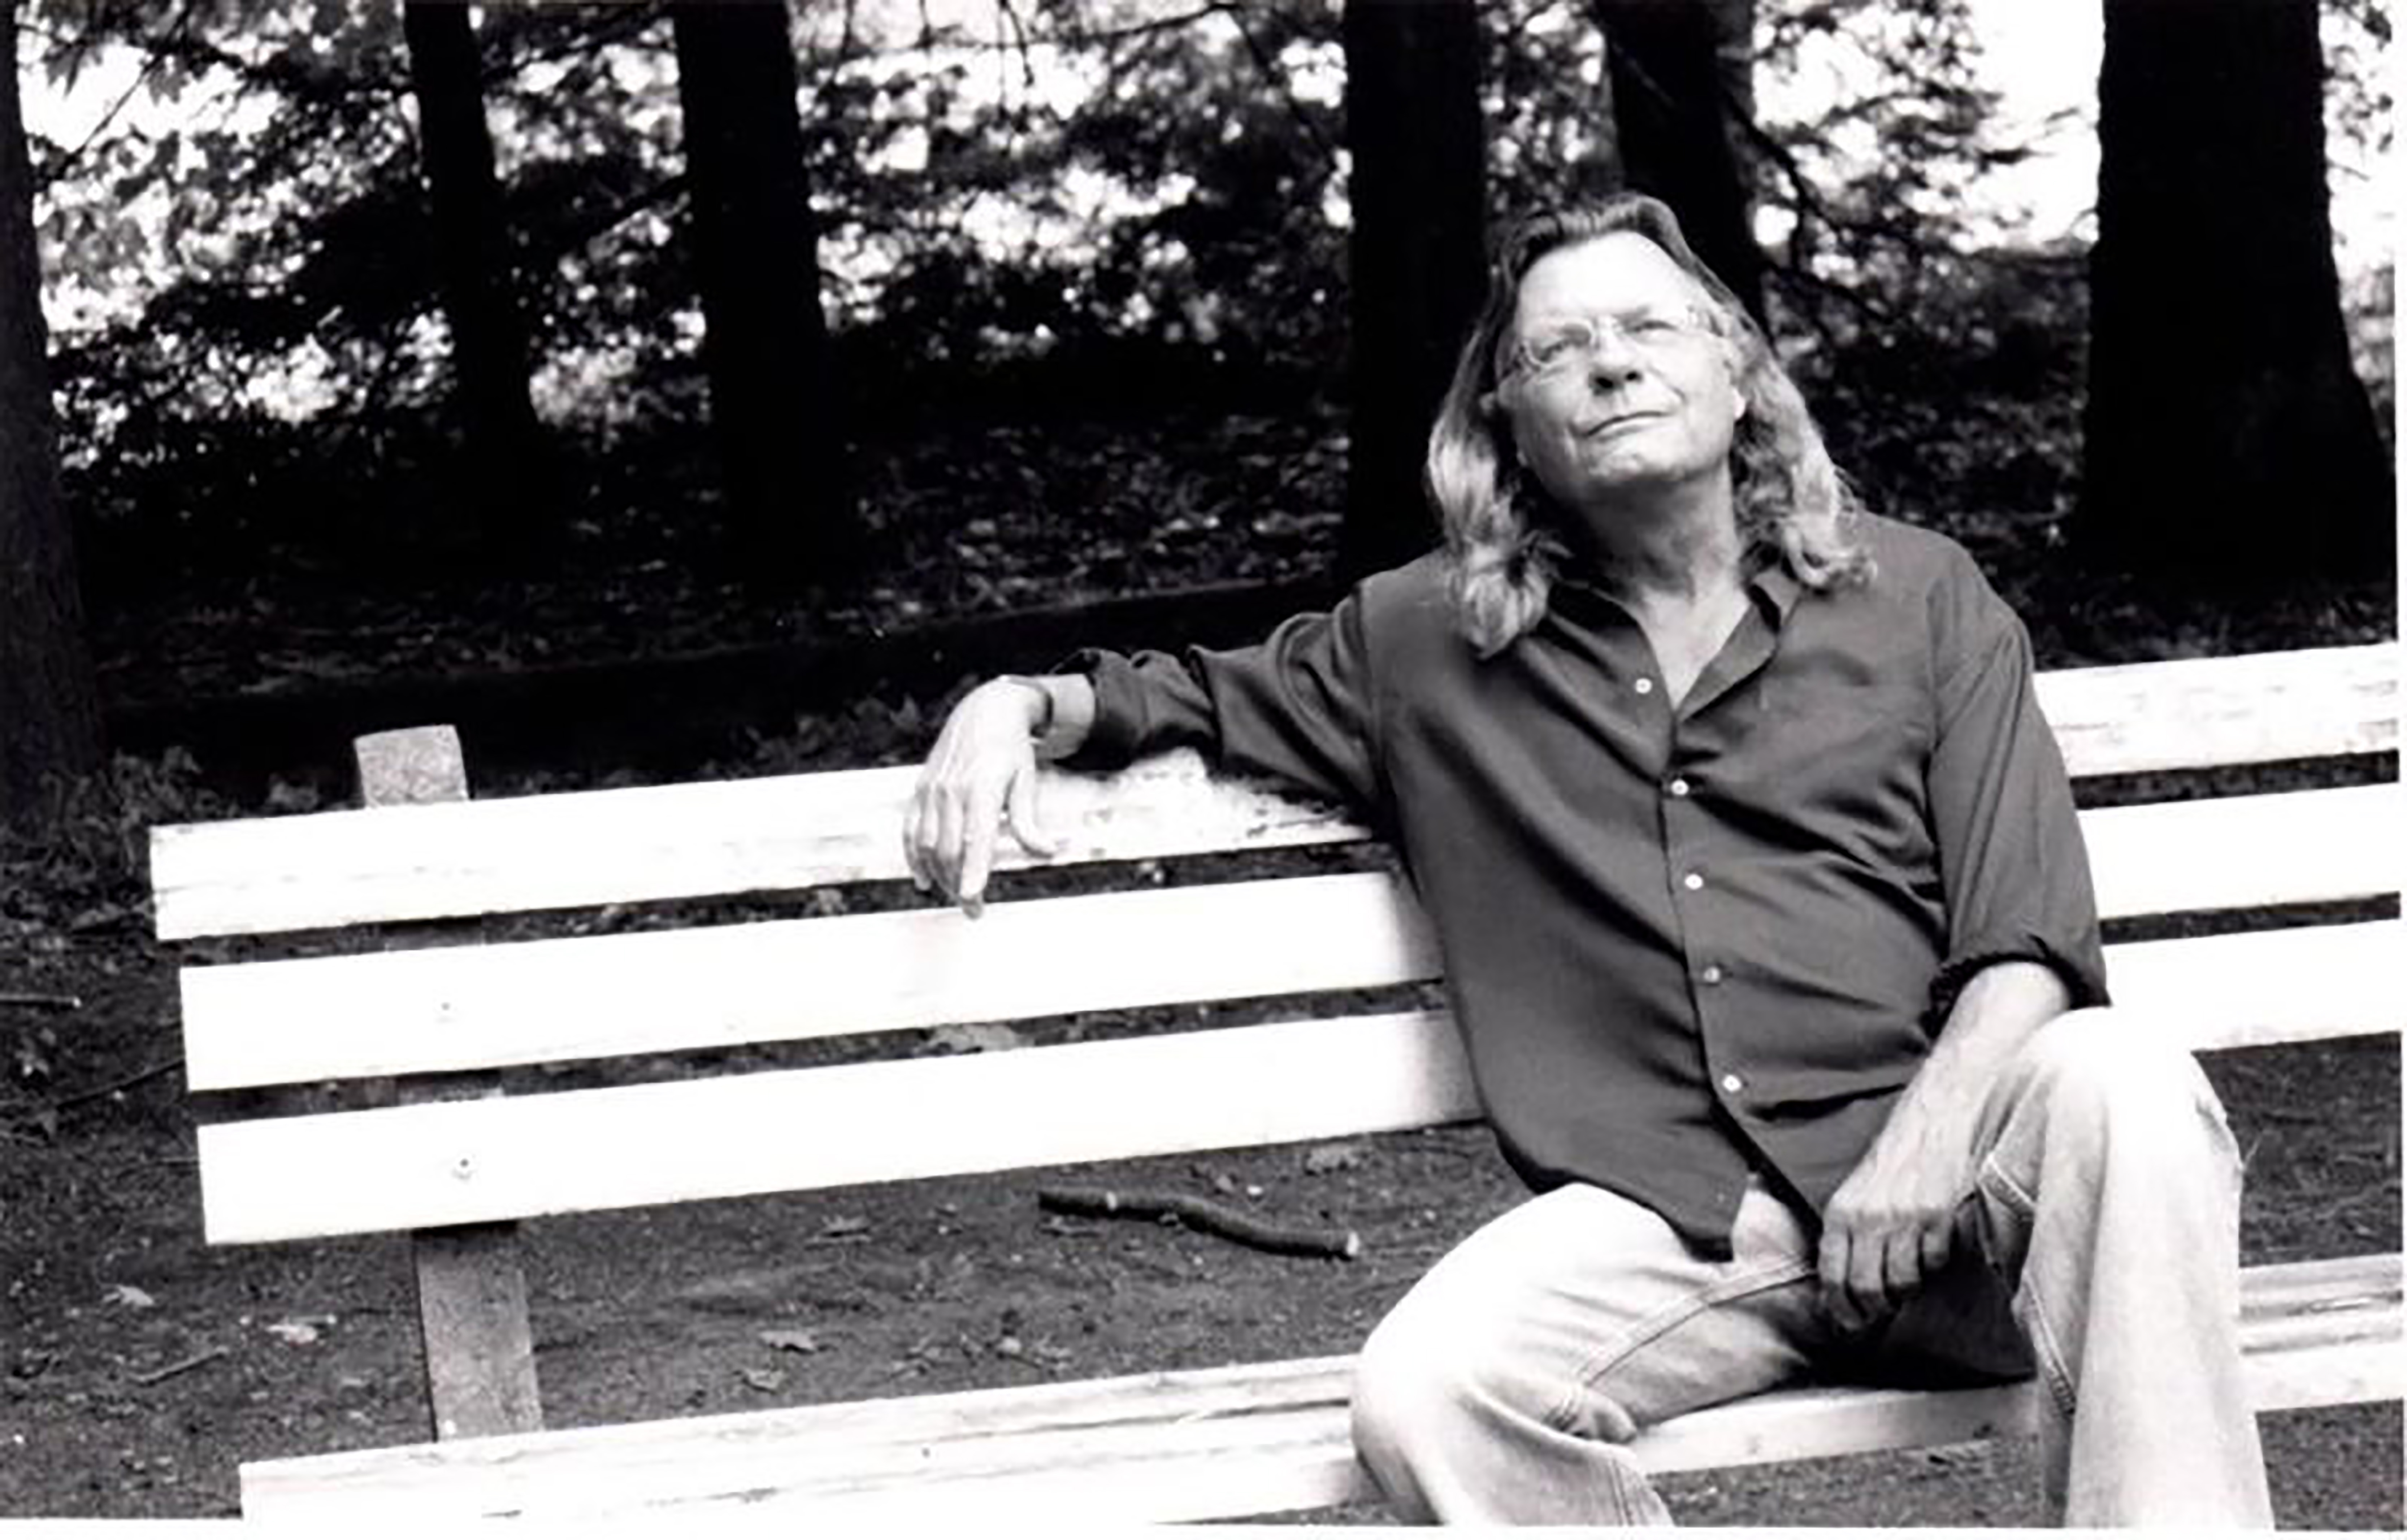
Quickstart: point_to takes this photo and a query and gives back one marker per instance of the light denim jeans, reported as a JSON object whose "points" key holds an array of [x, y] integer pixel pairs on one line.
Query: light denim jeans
{"points": [[1502, 1388]]}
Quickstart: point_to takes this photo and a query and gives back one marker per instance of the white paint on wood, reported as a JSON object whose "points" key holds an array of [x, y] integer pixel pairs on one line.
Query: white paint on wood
{"points": [[2250, 988], [341, 1173], [331, 869], [2308, 704], [458, 1163], [705, 838], [2240, 851], [1222, 1443], [259, 1023]]}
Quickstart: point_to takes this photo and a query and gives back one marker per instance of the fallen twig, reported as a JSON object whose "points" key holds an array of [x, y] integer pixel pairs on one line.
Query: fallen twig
{"points": [[1204, 1214], [181, 1365], [115, 1086], [46, 1002]]}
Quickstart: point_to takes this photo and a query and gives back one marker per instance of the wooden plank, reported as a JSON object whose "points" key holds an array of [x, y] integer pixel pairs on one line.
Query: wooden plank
{"points": [[477, 1345], [1219, 1443], [262, 1024], [2252, 988], [2364, 1285], [655, 842], [258, 1024], [1206, 1090], [2240, 851], [259, 875], [2309, 704], [467, 1162]]}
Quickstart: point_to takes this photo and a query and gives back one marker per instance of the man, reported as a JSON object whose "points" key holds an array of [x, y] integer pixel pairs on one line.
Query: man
{"points": [[1766, 922]]}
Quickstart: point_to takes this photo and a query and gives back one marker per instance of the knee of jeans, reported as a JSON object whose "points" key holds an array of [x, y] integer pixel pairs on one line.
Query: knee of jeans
{"points": [[1427, 1379], [2114, 1067]]}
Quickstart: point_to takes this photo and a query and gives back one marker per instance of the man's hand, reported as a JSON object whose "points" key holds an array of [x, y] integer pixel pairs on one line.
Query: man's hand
{"points": [[980, 778], [1892, 1223]]}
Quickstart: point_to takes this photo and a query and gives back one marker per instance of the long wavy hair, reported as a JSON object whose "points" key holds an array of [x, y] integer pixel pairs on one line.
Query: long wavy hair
{"points": [[1504, 538]]}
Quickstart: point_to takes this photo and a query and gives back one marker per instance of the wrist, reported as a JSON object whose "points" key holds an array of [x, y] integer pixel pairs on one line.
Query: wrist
{"points": [[1045, 712]]}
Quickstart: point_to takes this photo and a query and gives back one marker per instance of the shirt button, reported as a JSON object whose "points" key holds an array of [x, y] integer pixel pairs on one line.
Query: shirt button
{"points": [[1711, 973], [1679, 786], [1692, 881], [1644, 685], [1732, 1084]]}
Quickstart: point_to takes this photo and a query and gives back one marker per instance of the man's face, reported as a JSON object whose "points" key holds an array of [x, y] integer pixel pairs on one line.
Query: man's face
{"points": [[1621, 385]]}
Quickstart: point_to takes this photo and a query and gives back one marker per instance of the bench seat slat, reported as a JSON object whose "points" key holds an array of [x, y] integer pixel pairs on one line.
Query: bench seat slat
{"points": [[330, 869], [1222, 1443], [450, 1007], [522, 1156]]}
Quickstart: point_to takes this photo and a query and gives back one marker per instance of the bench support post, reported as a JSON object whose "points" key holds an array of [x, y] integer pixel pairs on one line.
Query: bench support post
{"points": [[471, 1299]]}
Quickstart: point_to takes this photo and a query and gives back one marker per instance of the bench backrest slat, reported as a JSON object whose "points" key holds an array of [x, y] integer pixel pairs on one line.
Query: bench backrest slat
{"points": [[658, 843], [442, 1010], [2240, 851], [264, 1024], [259, 1024], [2251, 988], [521, 1156], [2311, 704], [587, 848], [461, 1162]]}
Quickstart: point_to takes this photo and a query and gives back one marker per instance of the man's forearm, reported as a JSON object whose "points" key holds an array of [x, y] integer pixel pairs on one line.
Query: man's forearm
{"points": [[1892, 1223], [1994, 1015]]}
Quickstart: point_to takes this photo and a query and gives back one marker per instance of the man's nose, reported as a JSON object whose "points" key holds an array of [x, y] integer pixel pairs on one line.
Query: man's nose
{"points": [[1610, 358]]}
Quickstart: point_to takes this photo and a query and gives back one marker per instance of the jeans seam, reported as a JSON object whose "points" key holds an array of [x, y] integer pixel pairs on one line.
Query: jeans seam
{"points": [[2028, 1314], [1756, 1280]]}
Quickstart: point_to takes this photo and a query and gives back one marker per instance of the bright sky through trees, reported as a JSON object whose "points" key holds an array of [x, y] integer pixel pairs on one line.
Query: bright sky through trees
{"points": [[2041, 55]]}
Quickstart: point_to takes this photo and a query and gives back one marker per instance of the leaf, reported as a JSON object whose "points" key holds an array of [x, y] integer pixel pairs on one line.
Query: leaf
{"points": [[1322, 1159], [767, 1381], [794, 1341], [131, 1297], [976, 1038]]}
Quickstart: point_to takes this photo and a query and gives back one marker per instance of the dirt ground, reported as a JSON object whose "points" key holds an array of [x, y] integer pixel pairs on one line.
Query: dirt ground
{"points": [[138, 1367]]}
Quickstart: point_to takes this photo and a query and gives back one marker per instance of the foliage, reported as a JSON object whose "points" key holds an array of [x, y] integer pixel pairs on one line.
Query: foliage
{"points": [[1033, 213], [81, 885]]}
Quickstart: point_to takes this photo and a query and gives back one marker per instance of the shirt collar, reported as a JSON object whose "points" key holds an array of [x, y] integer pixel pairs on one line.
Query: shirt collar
{"points": [[1773, 585], [1768, 582]]}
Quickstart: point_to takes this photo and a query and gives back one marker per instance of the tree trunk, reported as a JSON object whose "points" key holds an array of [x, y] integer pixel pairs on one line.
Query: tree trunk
{"points": [[1417, 190], [2228, 441], [505, 483], [49, 707], [775, 409], [1679, 73]]}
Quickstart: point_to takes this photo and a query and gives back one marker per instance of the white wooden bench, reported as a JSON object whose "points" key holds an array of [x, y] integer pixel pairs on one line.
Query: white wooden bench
{"points": [[458, 1163]]}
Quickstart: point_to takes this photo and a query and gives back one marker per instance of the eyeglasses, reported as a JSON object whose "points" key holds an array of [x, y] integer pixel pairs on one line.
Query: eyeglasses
{"points": [[1560, 345]]}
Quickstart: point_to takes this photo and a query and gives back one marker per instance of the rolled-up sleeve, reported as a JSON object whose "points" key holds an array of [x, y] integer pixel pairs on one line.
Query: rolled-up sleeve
{"points": [[1298, 708], [2011, 857]]}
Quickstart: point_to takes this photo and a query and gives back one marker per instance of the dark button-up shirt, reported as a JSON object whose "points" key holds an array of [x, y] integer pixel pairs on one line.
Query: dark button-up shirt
{"points": [[1686, 941]]}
